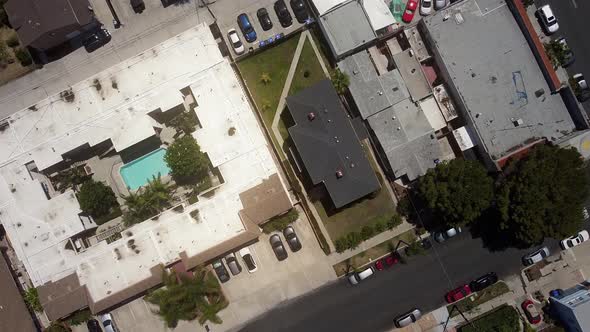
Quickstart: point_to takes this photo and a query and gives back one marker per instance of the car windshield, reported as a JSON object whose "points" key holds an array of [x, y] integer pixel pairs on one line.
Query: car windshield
{"points": [[426, 4], [249, 262], [237, 43], [570, 243]]}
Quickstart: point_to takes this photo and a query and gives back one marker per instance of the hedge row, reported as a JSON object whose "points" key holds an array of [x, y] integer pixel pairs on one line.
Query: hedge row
{"points": [[353, 239]]}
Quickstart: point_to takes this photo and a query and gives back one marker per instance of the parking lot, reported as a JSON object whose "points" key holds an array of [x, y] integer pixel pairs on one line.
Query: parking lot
{"points": [[249, 294], [227, 19]]}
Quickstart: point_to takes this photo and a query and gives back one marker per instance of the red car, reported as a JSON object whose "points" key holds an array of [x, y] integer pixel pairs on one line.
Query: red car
{"points": [[411, 7], [386, 262], [458, 293], [531, 312]]}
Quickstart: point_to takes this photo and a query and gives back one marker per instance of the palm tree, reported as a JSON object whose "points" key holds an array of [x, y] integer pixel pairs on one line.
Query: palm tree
{"points": [[148, 200], [265, 78], [158, 194], [209, 311], [340, 81]]}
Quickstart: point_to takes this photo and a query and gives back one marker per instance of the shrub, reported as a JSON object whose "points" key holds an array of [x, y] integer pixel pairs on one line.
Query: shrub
{"points": [[415, 248], [79, 317], [23, 57], [279, 223], [185, 121], [380, 226], [188, 164], [341, 244], [354, 239], [96, 198], [265, 78], [12, 41], [367, 232], [4, 55], [395, 221], [32, 300]]}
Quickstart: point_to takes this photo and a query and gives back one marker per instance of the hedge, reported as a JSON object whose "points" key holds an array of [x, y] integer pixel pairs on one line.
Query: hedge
{"points": [[353, 239], [279, 223]]}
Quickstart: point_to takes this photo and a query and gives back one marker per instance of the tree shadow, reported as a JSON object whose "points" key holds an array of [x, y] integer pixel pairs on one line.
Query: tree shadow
{"points": [[494, 238]]}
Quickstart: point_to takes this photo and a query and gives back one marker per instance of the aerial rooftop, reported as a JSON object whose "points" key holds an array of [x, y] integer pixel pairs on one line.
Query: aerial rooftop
{"points": [[489, 62], [328, 144], [39, 228]]}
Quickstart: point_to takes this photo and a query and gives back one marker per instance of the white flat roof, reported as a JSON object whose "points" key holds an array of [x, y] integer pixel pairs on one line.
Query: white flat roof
{"points": [[145, 82]]}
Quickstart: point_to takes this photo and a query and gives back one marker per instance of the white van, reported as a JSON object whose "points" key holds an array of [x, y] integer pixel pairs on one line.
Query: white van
{"points": [[356, 277]]}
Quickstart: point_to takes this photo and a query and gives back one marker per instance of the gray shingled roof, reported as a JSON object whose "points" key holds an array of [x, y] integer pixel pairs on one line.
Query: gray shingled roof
{"points": [[328, 144]]}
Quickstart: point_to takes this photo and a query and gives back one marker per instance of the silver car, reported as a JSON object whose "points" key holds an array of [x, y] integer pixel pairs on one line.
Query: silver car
{"points": [[440, 4], [408, 318], [536, 256], [232, 264], [108, 323]]}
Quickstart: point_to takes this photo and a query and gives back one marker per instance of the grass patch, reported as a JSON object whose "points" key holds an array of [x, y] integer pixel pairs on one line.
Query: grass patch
{"points": [[372, 253], [478, 298], [309, 70], [504, 318], [275, 62]]}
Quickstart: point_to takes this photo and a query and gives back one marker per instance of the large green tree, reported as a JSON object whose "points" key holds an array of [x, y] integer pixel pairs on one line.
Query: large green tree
{"points": [[184, 298], [458, 191], [96, 198], [542, 195], [188, 164], [147, 201]]}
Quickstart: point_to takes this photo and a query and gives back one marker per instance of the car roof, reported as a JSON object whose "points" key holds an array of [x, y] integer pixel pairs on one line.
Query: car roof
{"points": [[547, 10]]}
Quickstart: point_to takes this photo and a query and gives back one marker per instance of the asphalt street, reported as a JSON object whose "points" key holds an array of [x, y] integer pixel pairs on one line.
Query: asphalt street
{"points": [[373, 304], [572, 16]]}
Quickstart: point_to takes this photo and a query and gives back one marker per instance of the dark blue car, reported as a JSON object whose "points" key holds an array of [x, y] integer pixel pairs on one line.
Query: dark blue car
{"points": [[247, 28]]}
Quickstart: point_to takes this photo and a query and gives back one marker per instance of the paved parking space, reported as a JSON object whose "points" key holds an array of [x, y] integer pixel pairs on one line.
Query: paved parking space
{"points": [[249, 294], [227, 19]]}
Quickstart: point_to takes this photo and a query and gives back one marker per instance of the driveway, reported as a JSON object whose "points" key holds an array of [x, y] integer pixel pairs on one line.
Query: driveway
{"points": [[249, 294]]}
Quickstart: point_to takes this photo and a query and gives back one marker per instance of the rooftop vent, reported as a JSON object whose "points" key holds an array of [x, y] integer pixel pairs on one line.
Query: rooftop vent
{"points": [[311, 116], [518, 122], [339, 174]]}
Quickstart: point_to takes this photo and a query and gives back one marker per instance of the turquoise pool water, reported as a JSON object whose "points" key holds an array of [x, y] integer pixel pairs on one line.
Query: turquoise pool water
{"points": [[138, 172]]}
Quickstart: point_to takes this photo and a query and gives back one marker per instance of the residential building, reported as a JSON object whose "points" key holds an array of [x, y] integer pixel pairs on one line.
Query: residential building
{"points": [[572, 307], [328, 145], [45, 24], [106, 125], [349, 25], [493, 77]]}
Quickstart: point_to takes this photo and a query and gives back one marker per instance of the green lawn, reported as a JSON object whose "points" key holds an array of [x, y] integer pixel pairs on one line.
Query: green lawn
{"points": [[275, 62], [478, 298], [504, 318], [373, 253], [309, 66]]}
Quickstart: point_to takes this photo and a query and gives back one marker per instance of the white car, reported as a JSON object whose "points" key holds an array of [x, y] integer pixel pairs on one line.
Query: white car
{"points": [[108, 323], [548, 20], [356, 277], [248, 259], [575, 240], [449, 233], [536, 256], [440, 4], [236, 43], [425, 7]]}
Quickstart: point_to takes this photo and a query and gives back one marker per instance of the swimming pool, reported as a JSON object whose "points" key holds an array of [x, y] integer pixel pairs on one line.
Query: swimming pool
{"points": [[138, 172]]}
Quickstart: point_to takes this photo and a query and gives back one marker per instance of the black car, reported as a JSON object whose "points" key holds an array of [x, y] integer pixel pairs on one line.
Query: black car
{"points": [[292, 239], [264, 19], [483, 282], [97, 40], [568, 56], [283, 14], [277, 247], [299, 10], [93, 326], [138, 6], [221, 271]]}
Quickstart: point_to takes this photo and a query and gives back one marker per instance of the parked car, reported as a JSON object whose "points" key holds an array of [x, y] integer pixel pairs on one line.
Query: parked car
{"points": [[483, 282], [569, 57], [248, 259], [292, 239], [356, 277], [458, 293], [221, 271], [235, 41], [581, 89], [408, 318], [449, 233], [299, 10], [532, 313], [283, 14], [247, 28], [232, 264], [138, 6], [386, 262], [93, 326], [426, 7], [440, 4], [585, 213], [96, 40], [264, 19], [575, 240], [410, 10], [277, 247], [548, 20], [108, 323], [536, 256]]}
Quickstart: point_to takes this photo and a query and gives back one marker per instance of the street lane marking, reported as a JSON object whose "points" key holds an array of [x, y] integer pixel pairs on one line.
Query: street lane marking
{"points": [[574, 3]]}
